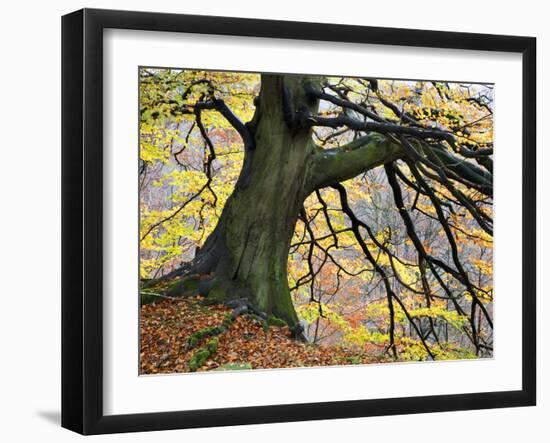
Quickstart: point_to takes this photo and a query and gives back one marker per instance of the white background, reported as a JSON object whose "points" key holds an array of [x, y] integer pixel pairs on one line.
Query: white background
{"points": [[30, 184], [127, 393]]}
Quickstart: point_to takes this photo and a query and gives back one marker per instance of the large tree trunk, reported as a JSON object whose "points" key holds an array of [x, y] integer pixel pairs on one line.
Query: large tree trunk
{"points": [[247, 253]]}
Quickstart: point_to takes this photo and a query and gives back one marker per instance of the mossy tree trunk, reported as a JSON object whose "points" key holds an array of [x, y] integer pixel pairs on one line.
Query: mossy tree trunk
{"points": [[247, 253]]}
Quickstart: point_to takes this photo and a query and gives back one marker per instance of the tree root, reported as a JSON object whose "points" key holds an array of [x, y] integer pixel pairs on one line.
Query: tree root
{"points": [[146, 297], [215, 291], [198, 359], [202, 354], [240, 306], [155, 290], [297, 332], [197, 337]]}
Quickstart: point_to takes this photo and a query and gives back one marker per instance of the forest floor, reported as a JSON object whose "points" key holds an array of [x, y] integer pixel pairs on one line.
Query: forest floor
{"points": [[167, 328]]}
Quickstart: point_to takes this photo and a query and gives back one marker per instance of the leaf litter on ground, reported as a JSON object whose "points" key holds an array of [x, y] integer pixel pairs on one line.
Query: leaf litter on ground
{"points": [[165, 328]]}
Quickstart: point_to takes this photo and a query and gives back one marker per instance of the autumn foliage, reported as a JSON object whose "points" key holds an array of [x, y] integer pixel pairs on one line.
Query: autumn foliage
{"points": [[394, 263]]}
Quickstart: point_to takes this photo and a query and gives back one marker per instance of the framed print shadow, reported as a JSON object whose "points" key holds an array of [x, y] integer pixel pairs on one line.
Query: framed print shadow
{"points": [[269, 221]]}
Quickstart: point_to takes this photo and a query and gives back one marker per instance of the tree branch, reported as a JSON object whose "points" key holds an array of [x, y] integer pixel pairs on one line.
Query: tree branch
{"points": [[475, 176], [343, 103], [331, 166], [380, 127], [220, 106]]}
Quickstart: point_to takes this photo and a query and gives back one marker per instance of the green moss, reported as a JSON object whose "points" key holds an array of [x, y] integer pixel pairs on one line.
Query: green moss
{"points": [[355, 360], [212, 345], [265, 325], [192, 341], [227, 320], [275, 321], [147, 297], [217, 294], [201, 355], [197, 336], [234, 367], [284, 308], [183, 287], [147, 283], [198, 359]]}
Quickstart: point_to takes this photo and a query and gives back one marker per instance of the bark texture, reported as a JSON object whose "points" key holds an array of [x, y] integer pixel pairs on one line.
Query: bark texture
{"points": [[246, 255]]}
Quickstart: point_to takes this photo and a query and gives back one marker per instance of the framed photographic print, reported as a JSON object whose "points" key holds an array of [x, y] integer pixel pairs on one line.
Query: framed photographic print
{"points": [[269, 221]]}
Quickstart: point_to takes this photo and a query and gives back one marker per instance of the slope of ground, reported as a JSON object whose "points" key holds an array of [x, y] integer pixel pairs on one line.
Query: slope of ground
{"points": [[167, 327]]}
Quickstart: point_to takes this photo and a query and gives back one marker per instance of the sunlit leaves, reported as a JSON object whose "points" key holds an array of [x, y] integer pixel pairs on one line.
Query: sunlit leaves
{"points": [[338, 292]]}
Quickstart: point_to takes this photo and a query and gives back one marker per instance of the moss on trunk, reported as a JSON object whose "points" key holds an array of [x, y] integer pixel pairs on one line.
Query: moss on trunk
{"points": [[251, 242], [247, 253]]}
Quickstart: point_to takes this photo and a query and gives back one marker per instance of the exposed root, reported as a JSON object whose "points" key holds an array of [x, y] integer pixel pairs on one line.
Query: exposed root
{"points": [[297, 332], [146, 297], [201, 355], [197, 337], [247, 344], [215, 291], [155, 290], [240, 306]]}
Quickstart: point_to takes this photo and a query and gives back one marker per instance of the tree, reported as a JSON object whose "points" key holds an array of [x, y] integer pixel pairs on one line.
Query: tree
{"points": [[308, 137]]}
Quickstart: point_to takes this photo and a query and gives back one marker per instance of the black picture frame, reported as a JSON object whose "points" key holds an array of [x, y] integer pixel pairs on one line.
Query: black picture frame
{"points": [[82, 218]]}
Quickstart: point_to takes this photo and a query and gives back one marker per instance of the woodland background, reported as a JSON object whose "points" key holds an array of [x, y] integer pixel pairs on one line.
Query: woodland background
{"points": [[379, 289], [30, 380]]}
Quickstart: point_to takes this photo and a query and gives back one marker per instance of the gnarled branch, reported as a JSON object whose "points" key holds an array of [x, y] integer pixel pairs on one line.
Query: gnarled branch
{"points": [[331, 166]]}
